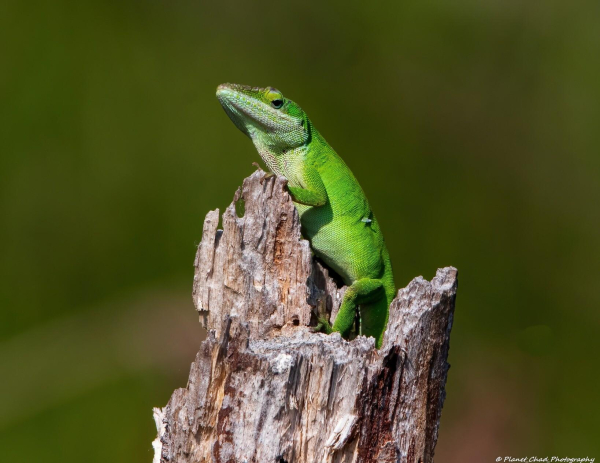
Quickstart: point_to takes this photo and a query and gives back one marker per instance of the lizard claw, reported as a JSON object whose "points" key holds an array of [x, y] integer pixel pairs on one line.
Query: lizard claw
{"points": [[267, 176], [323, 326], [264, 177]]}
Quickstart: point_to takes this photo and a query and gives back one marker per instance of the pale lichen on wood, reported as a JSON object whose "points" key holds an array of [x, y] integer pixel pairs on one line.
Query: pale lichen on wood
{"points": [[265, 388]]}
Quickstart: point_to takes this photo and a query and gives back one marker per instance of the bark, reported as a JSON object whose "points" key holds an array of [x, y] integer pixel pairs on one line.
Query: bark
{"points": [[265, 388]]}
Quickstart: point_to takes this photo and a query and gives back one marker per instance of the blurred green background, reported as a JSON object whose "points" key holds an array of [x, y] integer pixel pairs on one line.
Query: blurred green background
{"points": [[472, 126]]}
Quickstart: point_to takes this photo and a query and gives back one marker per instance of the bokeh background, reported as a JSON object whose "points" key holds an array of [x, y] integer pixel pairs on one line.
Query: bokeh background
{"points": [[473, 127]]}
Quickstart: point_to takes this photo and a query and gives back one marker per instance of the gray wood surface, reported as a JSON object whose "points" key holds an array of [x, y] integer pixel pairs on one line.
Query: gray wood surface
{"points": [[265, 388]]}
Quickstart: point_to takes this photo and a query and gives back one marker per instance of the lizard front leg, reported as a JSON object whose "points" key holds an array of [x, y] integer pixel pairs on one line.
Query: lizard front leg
{"points": [[313, 192]]}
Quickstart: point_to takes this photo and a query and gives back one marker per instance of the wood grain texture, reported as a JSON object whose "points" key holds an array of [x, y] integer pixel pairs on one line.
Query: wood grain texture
{"points": [[265, 388]]}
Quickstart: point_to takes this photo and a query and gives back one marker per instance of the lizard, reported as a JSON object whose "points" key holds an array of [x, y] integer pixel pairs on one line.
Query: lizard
{"points": [[335, 215]]}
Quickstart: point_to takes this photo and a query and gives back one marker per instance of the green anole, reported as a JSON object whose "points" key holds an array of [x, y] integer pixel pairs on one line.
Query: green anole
{"points": [[334, 212]]}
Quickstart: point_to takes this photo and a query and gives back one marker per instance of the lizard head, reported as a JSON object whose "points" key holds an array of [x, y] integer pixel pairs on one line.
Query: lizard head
{"points": [[274, 123]]}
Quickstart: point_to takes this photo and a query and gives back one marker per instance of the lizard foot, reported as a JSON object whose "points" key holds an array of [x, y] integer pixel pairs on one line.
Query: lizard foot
{"points": [[323, 326], [267, 176]]}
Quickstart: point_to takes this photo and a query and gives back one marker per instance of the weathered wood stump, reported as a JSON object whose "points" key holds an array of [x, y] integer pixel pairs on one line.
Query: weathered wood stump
{"points": [[265, 388]]}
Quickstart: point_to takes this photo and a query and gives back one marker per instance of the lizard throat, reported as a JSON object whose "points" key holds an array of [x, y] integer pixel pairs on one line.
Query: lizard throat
{"points": [[270, 160]]}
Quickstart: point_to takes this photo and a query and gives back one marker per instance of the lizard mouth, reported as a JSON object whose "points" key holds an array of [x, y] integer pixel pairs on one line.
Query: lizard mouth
{"points": [[233, 111], [244, 109]]}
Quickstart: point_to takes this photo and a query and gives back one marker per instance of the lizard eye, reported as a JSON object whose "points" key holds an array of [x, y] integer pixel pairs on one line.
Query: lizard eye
{"points": [[274, 96]]}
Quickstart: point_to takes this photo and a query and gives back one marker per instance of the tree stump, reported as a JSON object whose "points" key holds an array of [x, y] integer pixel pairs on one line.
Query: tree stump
{"points": [[265, 388]]}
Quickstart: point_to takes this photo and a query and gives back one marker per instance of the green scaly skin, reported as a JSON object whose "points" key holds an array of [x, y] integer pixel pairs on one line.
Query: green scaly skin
{"points": [[334, 212]]}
